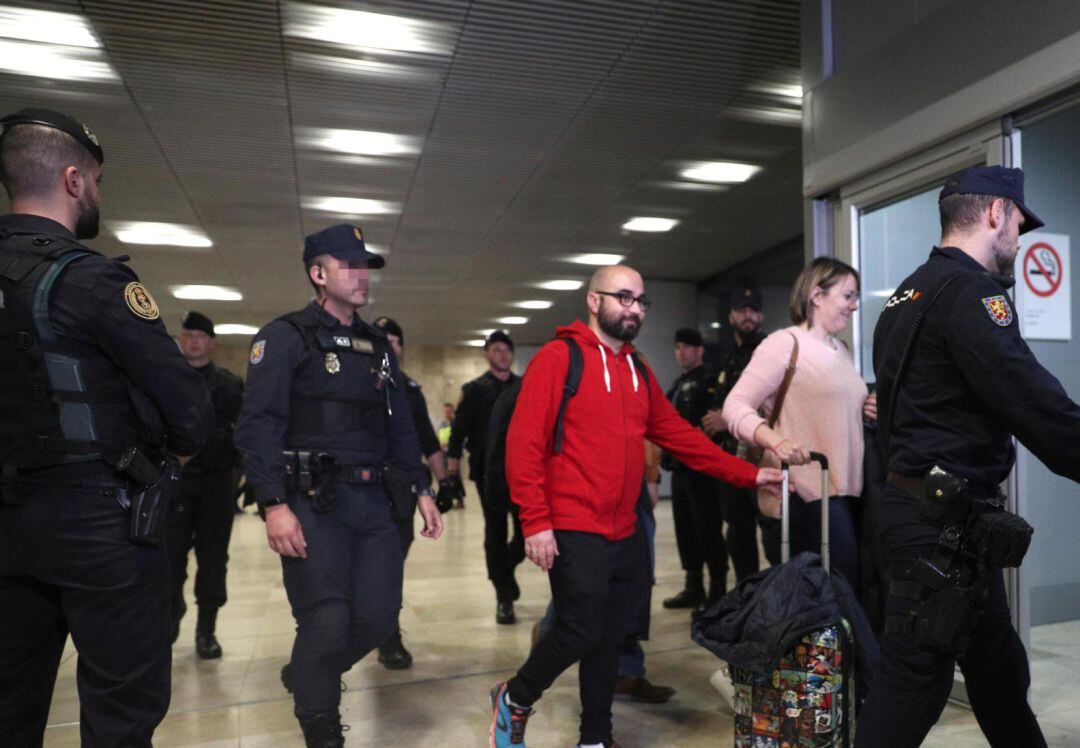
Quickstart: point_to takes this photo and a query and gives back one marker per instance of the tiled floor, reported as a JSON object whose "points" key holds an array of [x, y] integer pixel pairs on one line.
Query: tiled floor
{"points": [[460, 652]]}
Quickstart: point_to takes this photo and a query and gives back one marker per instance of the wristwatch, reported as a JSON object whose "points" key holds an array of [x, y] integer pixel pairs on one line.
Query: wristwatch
{"points": [[426, 492], [273, 501]]}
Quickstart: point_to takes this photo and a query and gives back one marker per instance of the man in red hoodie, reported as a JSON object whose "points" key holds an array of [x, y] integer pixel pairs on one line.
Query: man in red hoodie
{"points": [[577, 506]]}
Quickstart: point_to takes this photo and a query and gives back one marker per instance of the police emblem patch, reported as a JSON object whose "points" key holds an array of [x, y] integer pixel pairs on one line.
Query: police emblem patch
{"points": [[999, 310], [332, 362], [140, 302], [257, 351]]}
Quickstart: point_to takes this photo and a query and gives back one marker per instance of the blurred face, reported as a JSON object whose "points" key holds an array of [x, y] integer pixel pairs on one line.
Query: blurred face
{"points": [[1006, 242], [88, 216], [343, 282], [395, 345], [448, 412], [833, 307], [499, 357], [689, 357], [746, 320], [195, 345]]}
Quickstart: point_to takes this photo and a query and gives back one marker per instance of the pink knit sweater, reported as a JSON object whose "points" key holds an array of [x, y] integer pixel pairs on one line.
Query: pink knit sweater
{"points": [[822, 411]]}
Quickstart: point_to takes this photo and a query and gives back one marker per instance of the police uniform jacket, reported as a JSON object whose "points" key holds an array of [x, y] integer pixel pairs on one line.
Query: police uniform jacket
{"points": [[692, 395], [429, 443], [730, 371], [227, 395], [110, 372], [970, 382], [312, 384], [471, 419]]}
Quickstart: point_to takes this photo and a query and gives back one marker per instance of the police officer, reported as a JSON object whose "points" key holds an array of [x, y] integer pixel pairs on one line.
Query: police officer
{"points": [[203, 514], [470, 430], [325, 433], [93, 395], [392, 652], [695, 502], [739, 505], [948, 403]]}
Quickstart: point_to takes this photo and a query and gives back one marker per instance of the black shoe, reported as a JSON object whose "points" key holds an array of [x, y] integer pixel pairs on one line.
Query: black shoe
{"points": [[393, 655], [207, 647], [688, 598], [504, 612], [323, 731], [286, 676], [515, 591]]}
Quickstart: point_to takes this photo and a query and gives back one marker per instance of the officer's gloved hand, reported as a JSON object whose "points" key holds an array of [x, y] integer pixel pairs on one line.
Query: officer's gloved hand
{"points": [[444, 499]]}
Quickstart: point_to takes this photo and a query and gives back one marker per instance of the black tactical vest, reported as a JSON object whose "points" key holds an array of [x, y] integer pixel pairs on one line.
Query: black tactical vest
{"points": [[60, 400], [336, 403]]}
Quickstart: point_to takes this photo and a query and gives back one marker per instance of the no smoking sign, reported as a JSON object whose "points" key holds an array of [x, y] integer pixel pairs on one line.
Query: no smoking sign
{"points": [[1044, 296]]}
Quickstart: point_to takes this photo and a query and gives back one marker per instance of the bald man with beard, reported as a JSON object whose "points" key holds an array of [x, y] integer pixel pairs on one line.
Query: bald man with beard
{"points": [[577, 506]]}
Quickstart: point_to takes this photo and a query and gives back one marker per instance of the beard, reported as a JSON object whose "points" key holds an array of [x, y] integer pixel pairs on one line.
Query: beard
{"points": [[1003, 252], [622, 325], [86, 223]]}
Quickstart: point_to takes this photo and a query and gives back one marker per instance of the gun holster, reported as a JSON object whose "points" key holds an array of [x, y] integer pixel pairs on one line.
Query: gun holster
{"points": [[311, 473], [157, 486]]}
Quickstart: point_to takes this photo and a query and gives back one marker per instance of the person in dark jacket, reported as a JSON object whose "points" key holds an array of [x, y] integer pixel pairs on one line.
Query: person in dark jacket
{"points": [[202, 516], [94, 396]]}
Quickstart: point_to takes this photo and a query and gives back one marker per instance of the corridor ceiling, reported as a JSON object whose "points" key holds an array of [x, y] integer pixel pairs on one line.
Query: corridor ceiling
{"points": [[479, 144]]}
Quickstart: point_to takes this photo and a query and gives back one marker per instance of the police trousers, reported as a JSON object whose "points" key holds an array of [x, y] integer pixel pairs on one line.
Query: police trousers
{"points": [[699, 525], [66, 566], [912, 684], [501, 551], [345, 595]]}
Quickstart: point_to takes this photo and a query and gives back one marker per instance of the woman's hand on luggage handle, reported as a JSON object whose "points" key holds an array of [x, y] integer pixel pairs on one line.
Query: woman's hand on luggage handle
{"points": [[541, 549], [791, 452]]}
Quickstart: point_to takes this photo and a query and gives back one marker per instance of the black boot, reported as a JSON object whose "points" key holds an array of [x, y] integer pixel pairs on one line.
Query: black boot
{"points": [[323, 731], [206, 644], [504, 612], [692, 595], [393, 655], [717, 589]]}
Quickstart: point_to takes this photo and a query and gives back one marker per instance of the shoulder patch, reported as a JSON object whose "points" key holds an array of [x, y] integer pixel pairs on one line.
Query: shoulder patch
{"points": [[140, 302], [258, 350], [999, 310]]}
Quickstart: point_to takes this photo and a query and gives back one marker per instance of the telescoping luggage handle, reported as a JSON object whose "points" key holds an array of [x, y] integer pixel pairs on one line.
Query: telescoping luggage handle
{"points": [[785, 528]]}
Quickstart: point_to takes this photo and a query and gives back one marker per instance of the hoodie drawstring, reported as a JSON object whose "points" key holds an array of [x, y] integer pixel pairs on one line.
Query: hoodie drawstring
{"points": [[607, 374], [633, 371]]}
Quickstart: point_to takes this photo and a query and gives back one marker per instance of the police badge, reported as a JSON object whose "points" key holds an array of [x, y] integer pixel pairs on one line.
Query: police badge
{"points": [[332, 363]]}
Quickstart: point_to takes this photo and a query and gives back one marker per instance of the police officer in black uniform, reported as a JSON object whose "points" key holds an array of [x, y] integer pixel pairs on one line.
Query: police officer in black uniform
{"points": [[392, 652], [326, 434], [739, 505], [695, 501], [469, 430], [202, 517], [93, 398], [955, 382]]}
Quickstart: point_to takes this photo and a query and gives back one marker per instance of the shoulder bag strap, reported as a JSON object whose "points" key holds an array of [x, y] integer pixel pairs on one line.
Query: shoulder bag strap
{"points": [[785, 384]]}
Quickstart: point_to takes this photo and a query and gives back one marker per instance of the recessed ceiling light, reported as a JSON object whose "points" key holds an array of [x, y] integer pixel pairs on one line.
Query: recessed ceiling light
{"points": [[512, 320], [356, 66], [359, 142], [365, 30], [715, 325], [211, 293], [534, 304], [561, 285], [597, 258], [165, 234], [351, 206], [230, 329], [476, 343], [791, 91], [650, 224], [485, 333], [49, 61], [68, 29], [719, 172]]}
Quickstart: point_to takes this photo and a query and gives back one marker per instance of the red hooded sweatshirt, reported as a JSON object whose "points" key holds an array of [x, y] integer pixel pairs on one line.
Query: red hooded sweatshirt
{"points": [[594, 483]]}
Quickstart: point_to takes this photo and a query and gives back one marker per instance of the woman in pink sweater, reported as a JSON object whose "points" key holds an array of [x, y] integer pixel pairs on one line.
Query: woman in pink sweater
{"points": [[821, 412]]}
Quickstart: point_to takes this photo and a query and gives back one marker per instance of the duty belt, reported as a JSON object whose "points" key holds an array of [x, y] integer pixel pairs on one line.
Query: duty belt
{"points": [[363, 475], [913, 486]]}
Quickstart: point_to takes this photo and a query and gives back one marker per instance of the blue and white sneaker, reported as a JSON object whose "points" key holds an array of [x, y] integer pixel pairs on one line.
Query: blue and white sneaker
{"points": [[507, 720]]}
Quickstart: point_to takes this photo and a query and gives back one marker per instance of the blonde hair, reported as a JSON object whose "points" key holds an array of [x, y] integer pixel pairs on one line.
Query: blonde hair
{"points": [[823, 273]]}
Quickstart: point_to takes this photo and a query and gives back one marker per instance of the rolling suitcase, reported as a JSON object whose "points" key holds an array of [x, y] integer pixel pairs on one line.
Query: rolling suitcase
{"points": [[807, 701]]}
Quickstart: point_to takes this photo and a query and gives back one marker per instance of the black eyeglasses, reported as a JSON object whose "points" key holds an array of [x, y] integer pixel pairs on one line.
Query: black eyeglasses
{"points": [[627, 299]]}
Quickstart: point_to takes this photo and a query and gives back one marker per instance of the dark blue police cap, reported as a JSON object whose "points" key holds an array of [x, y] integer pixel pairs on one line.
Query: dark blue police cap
{"points": [[198, 321], [745, 297], [997, 181], [57, 121], [345, 242]]}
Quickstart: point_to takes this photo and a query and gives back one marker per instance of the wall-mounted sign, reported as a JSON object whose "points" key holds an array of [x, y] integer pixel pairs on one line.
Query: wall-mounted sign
{"points": [[1043, 287]]}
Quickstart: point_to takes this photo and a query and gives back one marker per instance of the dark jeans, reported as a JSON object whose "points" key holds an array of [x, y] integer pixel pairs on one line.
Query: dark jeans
{"points": [[66, 565], [345, 595], [699, 524], [596, 586], [843, 535], [739, 507], [912, 684], [202, 517], [501, 552]]}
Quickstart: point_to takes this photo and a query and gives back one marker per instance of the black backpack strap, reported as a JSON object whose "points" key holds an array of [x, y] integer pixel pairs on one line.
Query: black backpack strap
{"points": [[573, 380], [642, 369]]}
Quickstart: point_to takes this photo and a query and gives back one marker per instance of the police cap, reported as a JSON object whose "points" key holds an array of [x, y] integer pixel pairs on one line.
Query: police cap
{"points": [[499, 336], [689, 336], [998, 181], [345, 242], [745, 297], [58, 121], [390, 327], [198, 321]]}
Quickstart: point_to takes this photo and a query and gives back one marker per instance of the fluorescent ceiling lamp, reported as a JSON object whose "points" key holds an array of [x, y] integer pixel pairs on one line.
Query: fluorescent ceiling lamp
{"points": [[512, 320], [361, 29], [375, 248], [534, 304], [46, 26], [359, 142], [355, 66], [165, 234], [561, 285], [50, 61], [719, 172], [485, 333], [715, 325], [882, 294], [650, 224], [476, 343], [229, 329], [597, 258], [351, 206], [792, 91], [209, 293]]}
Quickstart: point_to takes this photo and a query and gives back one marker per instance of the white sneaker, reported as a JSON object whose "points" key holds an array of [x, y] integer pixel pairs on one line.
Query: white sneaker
{"points": [[721, 681]]}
